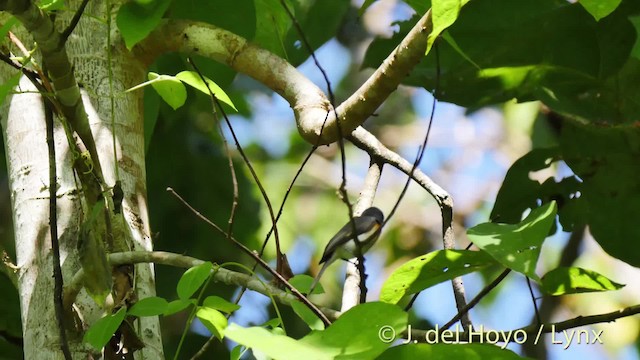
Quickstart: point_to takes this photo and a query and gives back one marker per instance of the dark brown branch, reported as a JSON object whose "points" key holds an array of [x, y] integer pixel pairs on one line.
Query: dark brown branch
{"points": [[53, 228], [534, 330], [74, 21]]}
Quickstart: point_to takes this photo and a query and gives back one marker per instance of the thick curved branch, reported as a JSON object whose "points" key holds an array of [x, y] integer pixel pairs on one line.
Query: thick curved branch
{"points": [[308, 102], [166, 258], [385, 80]]}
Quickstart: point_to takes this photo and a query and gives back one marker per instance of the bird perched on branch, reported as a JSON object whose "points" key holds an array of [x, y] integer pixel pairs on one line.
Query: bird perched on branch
{"points": [[343, 244]]}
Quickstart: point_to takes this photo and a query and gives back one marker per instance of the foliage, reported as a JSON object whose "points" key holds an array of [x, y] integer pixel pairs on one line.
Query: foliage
{"points": [[581, 61]]}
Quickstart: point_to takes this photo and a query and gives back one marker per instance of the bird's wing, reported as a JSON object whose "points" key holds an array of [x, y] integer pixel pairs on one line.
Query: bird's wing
{"points": [[362, 224]]}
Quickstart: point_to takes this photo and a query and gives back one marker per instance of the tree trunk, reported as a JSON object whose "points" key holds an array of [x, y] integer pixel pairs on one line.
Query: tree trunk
{"points": [[28, 166]]}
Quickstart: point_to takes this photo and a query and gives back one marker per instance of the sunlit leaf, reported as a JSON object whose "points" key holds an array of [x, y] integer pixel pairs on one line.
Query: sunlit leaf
{"points": [[273, 345], [363, 332], [213, 320], [449, 352], [150, 306], [101, 331], [573, 280], [177, 306], [192, 279], [218, 303], [193, 79], [431, 269], [516, 246], [600, 8]]}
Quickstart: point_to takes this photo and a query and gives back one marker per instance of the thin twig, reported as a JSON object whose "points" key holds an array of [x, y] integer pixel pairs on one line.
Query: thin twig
{"points": [[255, 257], [74, 21], [53, 228], [533, 300], [534, 329], [249, 165], [477, 299], [344, 196]]}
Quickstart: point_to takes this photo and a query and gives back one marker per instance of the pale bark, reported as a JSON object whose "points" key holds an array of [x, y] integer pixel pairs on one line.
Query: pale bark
{"points": [[27, 159]]}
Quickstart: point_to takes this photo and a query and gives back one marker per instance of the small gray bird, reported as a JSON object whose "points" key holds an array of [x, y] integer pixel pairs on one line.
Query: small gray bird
{"points": [[343, 244]]}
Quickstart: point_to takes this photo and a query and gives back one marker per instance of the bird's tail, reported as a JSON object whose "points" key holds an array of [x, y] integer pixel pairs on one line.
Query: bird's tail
{"points": [[317, 278]]}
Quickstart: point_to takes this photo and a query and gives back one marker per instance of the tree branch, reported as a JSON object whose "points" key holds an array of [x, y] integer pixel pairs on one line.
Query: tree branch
{"points": [[354, 288], [182, 261], [308, 102], [369, 143], [531, 330]]}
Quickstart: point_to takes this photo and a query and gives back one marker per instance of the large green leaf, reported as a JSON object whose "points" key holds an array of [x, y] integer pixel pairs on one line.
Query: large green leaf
{"points": [[431, 269], [213, 320], [606, 160], [516, 246], [136, 20], [600, 8], [573, 280], [449, 352], [361, 333], [519, 192], [150, 306], [192, 279], [102, 330], [319, 21], [530, 49], [443, 14], [274, 345]]}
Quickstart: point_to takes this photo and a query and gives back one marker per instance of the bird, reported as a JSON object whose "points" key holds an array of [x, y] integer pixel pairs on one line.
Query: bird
{"points": [[343, 244]]}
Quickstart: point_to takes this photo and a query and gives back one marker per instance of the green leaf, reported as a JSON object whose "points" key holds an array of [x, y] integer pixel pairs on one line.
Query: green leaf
{"points": [[192, 279], [170, 89], [150, 306], [193, 79], [276, 346], [573, 280], [535, 42], [218, 303], [136, 20], [363, 332], [101, 331], [605, 158], [213, 320], [600, 8], [272, 323], [272, 25], [308, 316], [303, 283], [431, 269], [51, 5], [448, 352], [443, 14], [177, 306], [516, 246], [236, 352], [520, 192]]}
